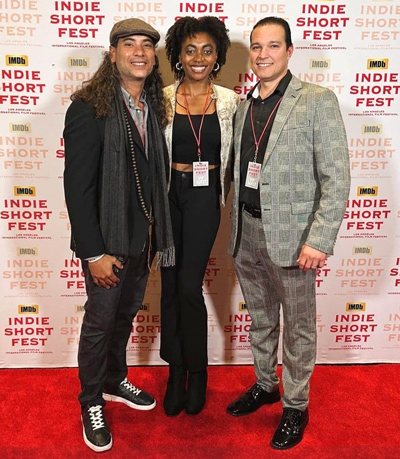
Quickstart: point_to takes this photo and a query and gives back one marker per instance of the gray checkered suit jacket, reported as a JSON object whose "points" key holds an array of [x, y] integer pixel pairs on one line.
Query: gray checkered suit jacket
{"points": [[305, 175]]}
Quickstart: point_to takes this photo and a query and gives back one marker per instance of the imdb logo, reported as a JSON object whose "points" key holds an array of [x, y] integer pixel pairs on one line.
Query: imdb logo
{"points": [[359, 307], [79, 308], [145, 307], [28, 309], [372, 129], [320, 64], [362, 250], [27, 251], [20, 127], [25, 191], [16, 61], [377, 64], [367, 191], [242, 307], [81, 62]]}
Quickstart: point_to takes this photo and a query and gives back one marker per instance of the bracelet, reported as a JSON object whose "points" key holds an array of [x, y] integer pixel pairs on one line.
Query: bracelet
{"points": [[93, 259]]}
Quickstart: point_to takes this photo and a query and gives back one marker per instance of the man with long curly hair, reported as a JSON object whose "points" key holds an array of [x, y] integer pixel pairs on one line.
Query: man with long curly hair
{"points": [[115, 181]]}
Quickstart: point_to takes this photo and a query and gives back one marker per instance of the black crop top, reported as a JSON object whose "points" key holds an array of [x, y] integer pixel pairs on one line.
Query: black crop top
{"points": [[184, 146]]}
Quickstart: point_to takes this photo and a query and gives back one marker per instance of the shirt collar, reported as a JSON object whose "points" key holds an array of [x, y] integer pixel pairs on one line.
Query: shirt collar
{"points": [[129, 100], [281, 88]]}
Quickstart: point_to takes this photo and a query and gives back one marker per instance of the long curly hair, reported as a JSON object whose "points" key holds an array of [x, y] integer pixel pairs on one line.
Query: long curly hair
{"points": [[189, 27], [102, 87]]}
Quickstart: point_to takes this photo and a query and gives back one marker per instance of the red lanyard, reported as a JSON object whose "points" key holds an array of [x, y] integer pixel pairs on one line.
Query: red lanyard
{"points": [[197, 137], [257, 142]]}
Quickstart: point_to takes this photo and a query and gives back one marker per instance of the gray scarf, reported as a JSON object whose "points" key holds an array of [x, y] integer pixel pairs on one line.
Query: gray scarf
{"points": [[114, 199]]}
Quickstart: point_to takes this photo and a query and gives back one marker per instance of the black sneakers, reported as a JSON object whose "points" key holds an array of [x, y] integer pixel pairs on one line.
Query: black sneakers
{"points": [[96, 433], [130, 395]]}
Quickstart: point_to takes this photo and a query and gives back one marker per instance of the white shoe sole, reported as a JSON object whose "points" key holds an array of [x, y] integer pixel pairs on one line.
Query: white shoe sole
{"points": [[97, 449], [115, 398]]}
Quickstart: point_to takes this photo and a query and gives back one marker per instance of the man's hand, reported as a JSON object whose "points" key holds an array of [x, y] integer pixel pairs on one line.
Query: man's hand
{"points": [[102, 271], [311, 258]]}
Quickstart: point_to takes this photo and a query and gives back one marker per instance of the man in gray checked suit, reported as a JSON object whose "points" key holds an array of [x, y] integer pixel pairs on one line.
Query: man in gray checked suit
{"points": [[292, 180]]}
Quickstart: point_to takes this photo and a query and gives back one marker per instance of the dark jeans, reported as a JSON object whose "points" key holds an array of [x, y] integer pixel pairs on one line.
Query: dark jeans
{"points": [[106, 328], [195, 214]]}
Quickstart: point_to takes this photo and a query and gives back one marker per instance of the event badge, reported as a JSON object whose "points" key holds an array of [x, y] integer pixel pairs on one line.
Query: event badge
{"points": [[253, 175], [200, 173]]}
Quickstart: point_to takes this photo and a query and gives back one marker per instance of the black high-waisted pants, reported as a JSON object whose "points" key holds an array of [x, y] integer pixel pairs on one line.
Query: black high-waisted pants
{"points": [[195, 214]]}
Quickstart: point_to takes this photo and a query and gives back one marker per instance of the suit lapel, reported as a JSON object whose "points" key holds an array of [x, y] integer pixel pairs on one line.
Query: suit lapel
{"points": [[238, 130], [239, 123], [289, 100]]}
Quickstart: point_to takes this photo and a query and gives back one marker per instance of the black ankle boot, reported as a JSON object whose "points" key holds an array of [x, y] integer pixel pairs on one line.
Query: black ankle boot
{"points": [[196, 394], [174, 399]]}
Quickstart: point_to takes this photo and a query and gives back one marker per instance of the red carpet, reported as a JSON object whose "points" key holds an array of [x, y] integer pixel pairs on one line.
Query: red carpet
{"points": [[354, 413]]}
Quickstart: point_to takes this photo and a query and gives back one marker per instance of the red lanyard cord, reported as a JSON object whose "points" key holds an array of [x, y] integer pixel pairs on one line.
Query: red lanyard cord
{"points": [[197, 137], [257, 142]]}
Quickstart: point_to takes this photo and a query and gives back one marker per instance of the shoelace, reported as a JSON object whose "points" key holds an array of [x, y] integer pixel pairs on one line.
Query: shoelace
{"points": [[128, 385], [96, 417], [255, 390], [293, 417]]}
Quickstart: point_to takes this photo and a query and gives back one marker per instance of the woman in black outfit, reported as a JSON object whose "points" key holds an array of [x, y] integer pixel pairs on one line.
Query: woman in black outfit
{"points": [[199, 137]]}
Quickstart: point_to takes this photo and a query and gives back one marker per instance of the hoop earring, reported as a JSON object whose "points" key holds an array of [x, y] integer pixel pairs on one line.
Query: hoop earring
{"points": [[178, 66], [216, 67]]}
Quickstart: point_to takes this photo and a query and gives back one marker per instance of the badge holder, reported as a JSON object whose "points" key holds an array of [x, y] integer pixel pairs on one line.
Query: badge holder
{"points": [[200, 173], [253, 175]]}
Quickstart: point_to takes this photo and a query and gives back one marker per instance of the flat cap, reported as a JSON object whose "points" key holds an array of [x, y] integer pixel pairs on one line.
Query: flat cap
{"points": [[132, 26]]}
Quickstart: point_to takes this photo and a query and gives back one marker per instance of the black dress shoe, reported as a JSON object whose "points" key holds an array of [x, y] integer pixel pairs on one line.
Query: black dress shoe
{"points": [[175, 395], [251, 400], [291, 429], [196, 393]]}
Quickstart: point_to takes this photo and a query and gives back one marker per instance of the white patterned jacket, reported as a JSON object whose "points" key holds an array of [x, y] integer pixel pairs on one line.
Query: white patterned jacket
{"points": [[226, 104]]}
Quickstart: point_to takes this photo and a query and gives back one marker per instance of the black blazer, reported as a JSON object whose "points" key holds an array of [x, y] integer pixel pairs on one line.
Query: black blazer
{"points": [[84, 143]]}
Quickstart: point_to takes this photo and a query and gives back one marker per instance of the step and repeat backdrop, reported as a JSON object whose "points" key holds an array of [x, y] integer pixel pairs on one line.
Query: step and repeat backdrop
{"points": [[48, 48]]}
